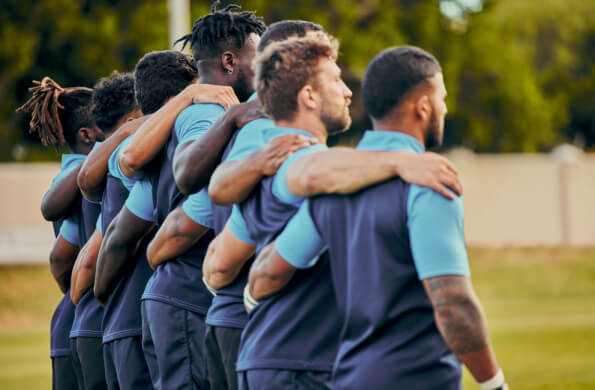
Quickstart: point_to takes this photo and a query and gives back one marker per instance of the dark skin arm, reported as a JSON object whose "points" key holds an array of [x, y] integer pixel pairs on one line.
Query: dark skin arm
{"points": [[117, 253], [177, 234], [269, 273], [83, 272], [462, 323], [233, 181], [62, 197], [225, 258], [62, 260], [91, 178], [195, 161]]}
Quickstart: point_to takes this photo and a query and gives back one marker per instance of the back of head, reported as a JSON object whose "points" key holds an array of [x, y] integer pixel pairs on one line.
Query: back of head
{"points": [[280, 31], [58, 113], [113, 99], [160, 75], [392, 75], [285, 67], [221, 30]]}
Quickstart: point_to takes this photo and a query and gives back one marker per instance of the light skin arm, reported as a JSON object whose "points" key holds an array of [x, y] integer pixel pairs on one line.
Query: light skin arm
{"points": [[462, 323], [154, 133], [177, 234], [195, 161], [269, 273], [233, 181], [91, 178], [225, 258], [62, 197], [117, 254], [345, 170], [83, 272], [62, 258]]}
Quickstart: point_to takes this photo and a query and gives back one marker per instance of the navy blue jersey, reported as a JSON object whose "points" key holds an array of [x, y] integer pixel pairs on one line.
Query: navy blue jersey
{"points": [[88, 314], [179, 281], [297, 328], [227, 308], [64, 313], [122, 314]]}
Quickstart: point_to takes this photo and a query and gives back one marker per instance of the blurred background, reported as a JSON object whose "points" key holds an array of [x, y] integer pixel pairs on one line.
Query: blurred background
{"points": [[520, 76]]}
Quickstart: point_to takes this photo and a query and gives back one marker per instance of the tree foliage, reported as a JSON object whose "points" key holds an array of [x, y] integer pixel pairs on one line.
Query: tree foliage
{"points": [[519, 73]]}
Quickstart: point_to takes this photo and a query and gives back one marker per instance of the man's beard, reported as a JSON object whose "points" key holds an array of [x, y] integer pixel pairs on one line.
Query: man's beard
{"points": [[433, 134], [336, 123], [241, 87]]}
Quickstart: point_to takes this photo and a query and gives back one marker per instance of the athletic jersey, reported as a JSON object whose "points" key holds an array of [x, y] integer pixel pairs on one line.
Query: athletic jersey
{"points": [[88, 314], [64, 313], [227, 308], [177, 282], [297, 328], [382, 241], [122, 314]]}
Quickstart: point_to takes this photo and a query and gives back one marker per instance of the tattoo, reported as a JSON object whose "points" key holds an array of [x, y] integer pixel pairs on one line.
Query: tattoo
{"points": [[458, 314]]}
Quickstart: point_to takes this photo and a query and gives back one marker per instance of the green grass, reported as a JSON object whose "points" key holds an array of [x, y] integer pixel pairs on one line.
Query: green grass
{"points": [[540, 305]]}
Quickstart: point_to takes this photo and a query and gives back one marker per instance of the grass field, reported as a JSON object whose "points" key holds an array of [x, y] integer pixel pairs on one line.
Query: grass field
{"points": [[540, 305]]}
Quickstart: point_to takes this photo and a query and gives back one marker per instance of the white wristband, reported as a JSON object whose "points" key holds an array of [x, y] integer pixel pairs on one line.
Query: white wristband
{"points": [[496, 382], [249, 302], [211, 289]]}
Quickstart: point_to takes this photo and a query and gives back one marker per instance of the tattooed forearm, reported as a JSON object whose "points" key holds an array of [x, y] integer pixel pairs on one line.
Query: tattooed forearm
{"points": [[458, 314]]}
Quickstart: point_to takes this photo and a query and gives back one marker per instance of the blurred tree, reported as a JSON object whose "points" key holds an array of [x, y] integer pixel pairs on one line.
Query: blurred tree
{"points": [[519, 74]]}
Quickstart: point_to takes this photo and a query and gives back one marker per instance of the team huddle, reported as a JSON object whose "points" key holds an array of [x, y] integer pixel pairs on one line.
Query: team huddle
{"points": [[207, 237]]}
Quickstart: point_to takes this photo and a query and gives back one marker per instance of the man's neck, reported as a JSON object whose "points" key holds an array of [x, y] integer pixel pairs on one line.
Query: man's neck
{"points": [[400, 126], [307, 124]]}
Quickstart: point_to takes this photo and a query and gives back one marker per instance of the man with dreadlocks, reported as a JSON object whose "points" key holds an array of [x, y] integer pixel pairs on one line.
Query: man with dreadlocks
{"points": [[175, 301], [62, 116]]}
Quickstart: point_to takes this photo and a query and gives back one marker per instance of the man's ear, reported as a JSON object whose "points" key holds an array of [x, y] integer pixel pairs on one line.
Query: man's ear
{"points": [[228, 62], [86, 136], [423, 108], [307, 98]]}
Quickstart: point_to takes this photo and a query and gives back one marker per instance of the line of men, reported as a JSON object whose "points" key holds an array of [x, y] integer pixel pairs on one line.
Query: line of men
{"points": [[219, 243]]}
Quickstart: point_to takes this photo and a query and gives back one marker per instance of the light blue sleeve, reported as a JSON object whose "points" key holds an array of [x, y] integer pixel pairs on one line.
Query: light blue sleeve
{"points": [[70, 231], [237, 226], [280, 188], [98, 224], [72, 162], [113, 166], [299, 243], [140, 200], [195, 120], [436, 233], [199, 209], [249, 139]]}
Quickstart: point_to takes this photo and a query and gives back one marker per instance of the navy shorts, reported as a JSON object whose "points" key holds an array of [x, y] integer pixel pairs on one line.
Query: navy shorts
{"points": [[87, 358], [222, 353], [270, 379], [174, 346], [62, 378], [125, 365]]}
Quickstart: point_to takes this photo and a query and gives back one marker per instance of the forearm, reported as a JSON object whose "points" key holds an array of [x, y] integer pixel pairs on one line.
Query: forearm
{"points": [[340, 170], [152, 135], [63, 280], [61, 197], [216, 276], [195, 162], [168, 245], [463, 326], [113, 259], [269, 273], [82, 280], [91, 177], [233, 181]]}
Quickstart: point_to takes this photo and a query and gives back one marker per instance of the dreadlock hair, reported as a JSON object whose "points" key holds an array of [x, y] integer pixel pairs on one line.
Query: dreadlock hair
{"points": [[113, 98], [280, 31], [160, 75], [58, 113], [221, 30]]}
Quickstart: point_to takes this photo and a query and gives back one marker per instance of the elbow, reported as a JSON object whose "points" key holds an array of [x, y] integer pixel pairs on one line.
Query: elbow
{"points": [[152, 254], [100, 293], [47, 212], [462, 308], [215, 194], [182, 179], [86, 185], [129, 162]]}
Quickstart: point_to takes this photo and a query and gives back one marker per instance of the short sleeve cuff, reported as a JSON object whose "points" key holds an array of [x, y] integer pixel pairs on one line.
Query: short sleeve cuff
{"points": [[198, 208], [69, 232], [237, 226], [140, 201]]}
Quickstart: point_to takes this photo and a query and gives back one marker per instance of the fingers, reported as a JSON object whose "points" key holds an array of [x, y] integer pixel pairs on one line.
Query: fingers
{"points": [[443, 190]]}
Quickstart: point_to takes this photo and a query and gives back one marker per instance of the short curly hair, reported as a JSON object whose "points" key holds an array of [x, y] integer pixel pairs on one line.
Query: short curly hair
{"points": [[113, 98]]}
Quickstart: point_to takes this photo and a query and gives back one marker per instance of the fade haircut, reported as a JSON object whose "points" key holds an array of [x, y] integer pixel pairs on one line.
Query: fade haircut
{"points": [[394, 73], [113, 98], [221, 30], [160, 75], [285, 67], [280, 31], [58, 113]]}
